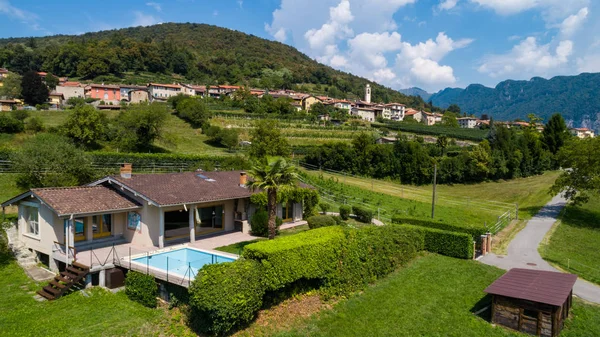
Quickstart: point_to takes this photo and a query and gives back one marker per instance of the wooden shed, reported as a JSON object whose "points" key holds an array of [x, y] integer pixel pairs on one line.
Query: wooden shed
{"points": [[532, 301]]}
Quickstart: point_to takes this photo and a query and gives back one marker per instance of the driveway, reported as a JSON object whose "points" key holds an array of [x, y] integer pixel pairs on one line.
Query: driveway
{"points": [[523, 249]]}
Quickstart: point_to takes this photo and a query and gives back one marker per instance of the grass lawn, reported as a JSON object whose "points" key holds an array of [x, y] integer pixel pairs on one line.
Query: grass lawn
{"points": [[95, 312], [237, 248], [432, 296], [573, 243]]}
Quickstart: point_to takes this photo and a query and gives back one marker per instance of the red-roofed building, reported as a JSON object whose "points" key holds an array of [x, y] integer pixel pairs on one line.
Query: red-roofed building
{"points": [[164, 91], [103, 92], [71, 89], [582, 133]]}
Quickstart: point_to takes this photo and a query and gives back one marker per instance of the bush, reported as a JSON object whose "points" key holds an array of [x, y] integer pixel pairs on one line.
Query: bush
{"points": [[19, 114], [34, 124], [324, 207], [362, 214], [318, 221], [8, 124], [141, 288], [259, 223], [453, 244], [338, 220], [474, 232], [225, 296], [345, 212]]}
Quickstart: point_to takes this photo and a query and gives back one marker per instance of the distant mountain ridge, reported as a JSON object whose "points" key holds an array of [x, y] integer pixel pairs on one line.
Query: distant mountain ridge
{"points": [[415, 91], [577, 98]]}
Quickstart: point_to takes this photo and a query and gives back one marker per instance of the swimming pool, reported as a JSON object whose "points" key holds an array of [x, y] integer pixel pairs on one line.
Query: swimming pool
{"points": [[181, 261]]}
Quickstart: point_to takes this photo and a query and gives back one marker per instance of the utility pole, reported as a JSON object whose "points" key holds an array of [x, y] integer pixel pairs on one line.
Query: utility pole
{"points": [[434, 185]]}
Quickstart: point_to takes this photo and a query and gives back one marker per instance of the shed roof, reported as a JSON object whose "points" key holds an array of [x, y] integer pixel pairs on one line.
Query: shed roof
{"points": [[540, 286]]}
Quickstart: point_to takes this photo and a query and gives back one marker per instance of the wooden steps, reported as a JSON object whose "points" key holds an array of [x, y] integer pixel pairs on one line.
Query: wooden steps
{"points": [[63, 281]]}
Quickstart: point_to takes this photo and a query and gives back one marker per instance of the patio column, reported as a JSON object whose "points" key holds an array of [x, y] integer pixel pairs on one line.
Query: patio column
{"points": [[192, 211], [161, 228]]}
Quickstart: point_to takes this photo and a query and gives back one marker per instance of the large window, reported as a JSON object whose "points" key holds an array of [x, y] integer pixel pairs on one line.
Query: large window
{"points": [[31, 218]]}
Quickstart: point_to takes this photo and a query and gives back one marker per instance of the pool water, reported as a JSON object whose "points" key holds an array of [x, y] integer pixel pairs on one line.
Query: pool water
{"points": [[182, 261]]}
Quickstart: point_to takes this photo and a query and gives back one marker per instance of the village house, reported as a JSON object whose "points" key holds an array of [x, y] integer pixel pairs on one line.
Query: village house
{"points": [[164, 91], [397, 111], [412, 114], [138, 96], [431, 118], [126, 89], [3, 73], [103, 92], [366, 113], [56, 99], [308, 101], [582, 133], [467, 122], [7, 104], [70, 90], [342, 104], [146, 210]]}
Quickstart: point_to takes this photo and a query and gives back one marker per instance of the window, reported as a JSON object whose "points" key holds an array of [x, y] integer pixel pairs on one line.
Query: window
{"points": [[31, 218]]}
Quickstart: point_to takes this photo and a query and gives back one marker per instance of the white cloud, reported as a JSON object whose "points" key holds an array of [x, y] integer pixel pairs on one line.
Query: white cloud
{"points": [[335, 28], [432, 73], [215, 12], [154, 5], [240, 3], [142, 19], [369, 48], [434, 50], [506, 7], [572, 23], [384, 75], [446, 5], [528, 58], [31, 19], [589, 63]]}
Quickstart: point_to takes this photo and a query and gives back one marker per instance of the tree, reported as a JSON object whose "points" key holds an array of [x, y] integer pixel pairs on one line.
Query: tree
{"points": [[11, 86], [581, 180], [271, 175], [140, 125], [442, 143], [454, 108], [34, 91], [194, 111], [51, 81], [555, 133], [50, 160], [449, 119], [267, 140], [85, 125]]}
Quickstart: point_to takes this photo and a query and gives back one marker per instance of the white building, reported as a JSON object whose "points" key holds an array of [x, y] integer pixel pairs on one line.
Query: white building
{"points": [[365, 113], [71, 89], [368, 93], [342, 104], [582, 133], [397, 111], [164, 91], [467, 122]]}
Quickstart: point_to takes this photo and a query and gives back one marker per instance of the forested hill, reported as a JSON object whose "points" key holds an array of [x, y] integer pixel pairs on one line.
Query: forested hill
{"points": [[576, 97], [196, 53]]}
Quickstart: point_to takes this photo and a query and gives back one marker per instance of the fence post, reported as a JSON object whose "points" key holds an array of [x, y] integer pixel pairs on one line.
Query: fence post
{"points": [[167, 269], [147, 263], [130, 258]]}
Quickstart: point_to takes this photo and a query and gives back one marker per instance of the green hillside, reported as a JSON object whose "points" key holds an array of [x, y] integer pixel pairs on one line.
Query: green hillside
{"points": [[195, 53], [575, 97]]}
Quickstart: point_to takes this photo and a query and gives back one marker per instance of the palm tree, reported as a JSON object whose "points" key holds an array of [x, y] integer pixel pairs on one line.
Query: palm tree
{"points": [[271, 175]]}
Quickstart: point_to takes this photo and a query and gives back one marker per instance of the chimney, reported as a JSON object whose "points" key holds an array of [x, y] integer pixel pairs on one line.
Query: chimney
{"points": [[126, 170], [243, 179]]}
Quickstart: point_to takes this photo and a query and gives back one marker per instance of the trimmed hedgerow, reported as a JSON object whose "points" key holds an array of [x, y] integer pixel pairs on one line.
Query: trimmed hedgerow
{"points": [[345, 212], [318, 221], [141, 288], [308, 255], [259, 223], [225, 296], [453, 244], [362, 214], [474, 232]]}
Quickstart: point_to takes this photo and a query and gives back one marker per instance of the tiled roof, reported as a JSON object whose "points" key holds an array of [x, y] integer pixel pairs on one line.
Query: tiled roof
{"points": [[176, 86], [104, 86], [540, 286], [84, 199], [187, 187], [70, 84]]}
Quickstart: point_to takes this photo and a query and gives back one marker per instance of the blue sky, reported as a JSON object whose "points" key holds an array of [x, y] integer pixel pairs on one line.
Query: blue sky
{"points": [[432, 44]]}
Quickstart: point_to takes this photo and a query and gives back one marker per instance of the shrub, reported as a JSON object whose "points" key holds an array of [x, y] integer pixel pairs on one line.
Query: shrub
{"points": [[324, 207], [338, 220], [225, 296], [453, 244], [345, 212], [34, 124], [474, 232], [318, 221], [308, 255], [8, 124], [362, 214], [259, 223], [20, 114], [141, 288]]}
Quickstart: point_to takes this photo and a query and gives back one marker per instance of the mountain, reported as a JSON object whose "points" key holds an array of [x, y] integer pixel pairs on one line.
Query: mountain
{"points": [[577, 98], [414, 91], [185, 52]]}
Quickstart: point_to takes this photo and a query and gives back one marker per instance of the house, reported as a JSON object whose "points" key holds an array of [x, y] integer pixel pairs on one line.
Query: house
{"points": [[342, 104], [386, 140], [3, 73], [582, 133], [56, 99], [412, 114], [308, 101], [297, 106], [431, 118], [126, 89], [532, 301], [164, 91], [7, 104], [103, 92], [71, 89], [467, 122], [397, 111], [144, 210], [365, 113], [138, 96]]}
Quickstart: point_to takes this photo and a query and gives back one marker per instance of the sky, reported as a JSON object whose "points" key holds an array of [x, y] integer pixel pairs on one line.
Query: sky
{"points": [[431, 44]]}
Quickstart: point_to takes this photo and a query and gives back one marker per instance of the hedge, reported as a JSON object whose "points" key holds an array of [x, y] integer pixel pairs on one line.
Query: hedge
{"points": [[307, 255], [362, 214], [157, 161], [141, 288], [318, 221], [474, 232], [225, 296], [453, 244], [345, 212]]}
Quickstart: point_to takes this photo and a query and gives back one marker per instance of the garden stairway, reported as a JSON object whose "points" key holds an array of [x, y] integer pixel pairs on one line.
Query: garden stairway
{"points": [[62, 282]]}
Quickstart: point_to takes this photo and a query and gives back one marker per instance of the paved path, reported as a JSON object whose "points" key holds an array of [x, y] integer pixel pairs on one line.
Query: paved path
{"points": [[523, 249]]}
